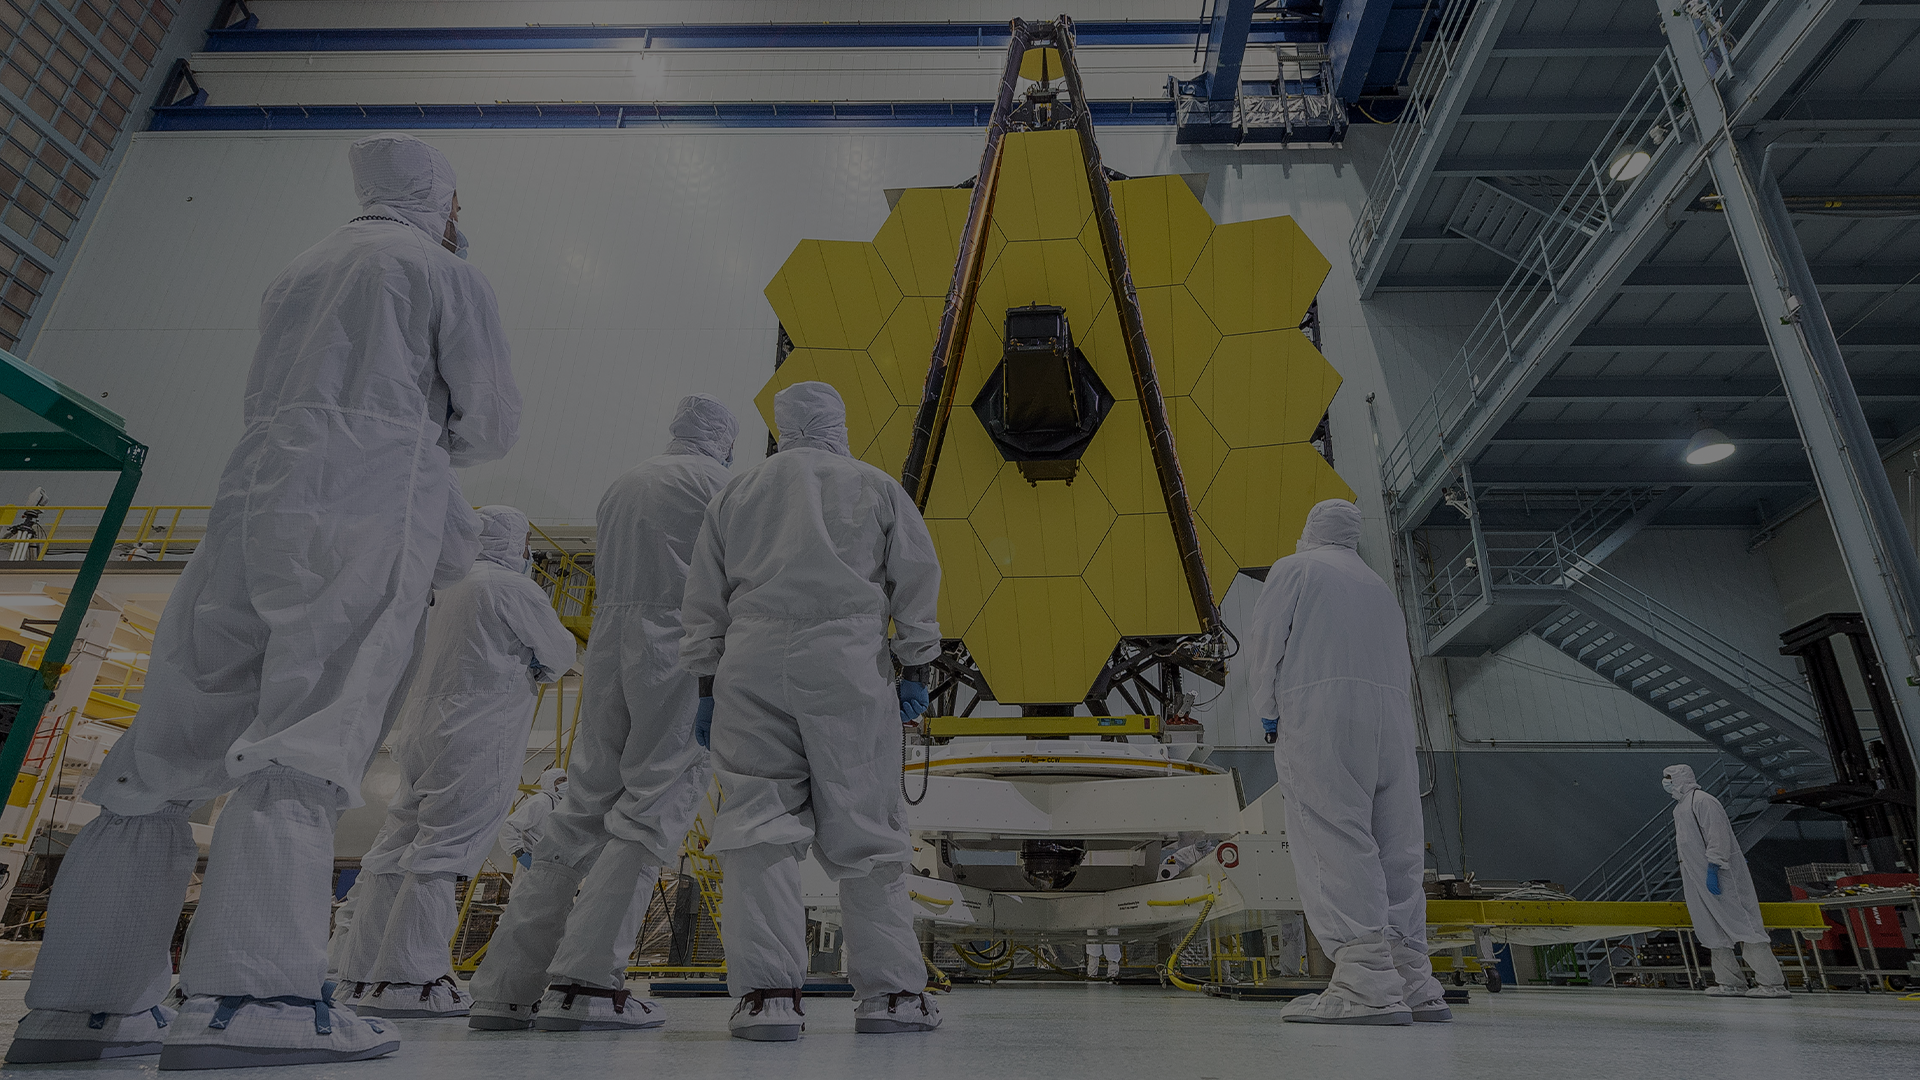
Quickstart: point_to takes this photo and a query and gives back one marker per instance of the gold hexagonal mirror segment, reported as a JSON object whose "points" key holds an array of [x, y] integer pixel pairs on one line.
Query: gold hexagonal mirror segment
{"points": [[1042, 640]]}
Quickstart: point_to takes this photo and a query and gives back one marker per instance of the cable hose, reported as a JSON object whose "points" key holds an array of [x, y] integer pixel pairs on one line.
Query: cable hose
{"points": [[926, 771], [1172, 970]]}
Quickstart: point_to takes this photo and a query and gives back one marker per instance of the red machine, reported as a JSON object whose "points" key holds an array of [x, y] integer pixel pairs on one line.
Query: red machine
{"points": [[1877, 928]]}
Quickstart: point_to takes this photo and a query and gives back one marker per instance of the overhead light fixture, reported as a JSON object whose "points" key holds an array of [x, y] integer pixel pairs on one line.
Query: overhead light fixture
{"points": [[1628, 165], [1707, 446]]}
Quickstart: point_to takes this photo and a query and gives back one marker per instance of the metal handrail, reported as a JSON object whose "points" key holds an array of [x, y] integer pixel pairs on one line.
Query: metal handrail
{"points": [[1586, 214], [1653, 843], [1785, 695], [568, 580], [1561, 562], [150, 533], [1434, 67], [1464, 580]]}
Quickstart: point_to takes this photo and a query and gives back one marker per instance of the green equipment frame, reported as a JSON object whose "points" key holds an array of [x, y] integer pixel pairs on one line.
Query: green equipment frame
{"points": [[45, 426]]}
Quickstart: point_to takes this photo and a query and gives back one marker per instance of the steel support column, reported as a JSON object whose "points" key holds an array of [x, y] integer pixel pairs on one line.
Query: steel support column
{"points": [[1874, 544]]}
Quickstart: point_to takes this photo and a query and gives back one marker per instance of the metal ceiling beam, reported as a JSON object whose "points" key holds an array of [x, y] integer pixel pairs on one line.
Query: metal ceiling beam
{"points": [[1719, 279], [1558, 46], [1441, 282], [1352, 40], [1642, 433], [1423, 132], [1514, 165], [1767, 65], [1731, 337], [1868, 524], [1654, 280], [1877, 113], [1227, 48], [1609, 476], [1704, 391], [1541, 110], [1431, 234], [1496, 520]]}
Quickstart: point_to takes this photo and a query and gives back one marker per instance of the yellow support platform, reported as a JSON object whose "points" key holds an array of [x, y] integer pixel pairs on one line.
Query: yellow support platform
{"points": [[947, 727], [1445, 914], [114, 710]]}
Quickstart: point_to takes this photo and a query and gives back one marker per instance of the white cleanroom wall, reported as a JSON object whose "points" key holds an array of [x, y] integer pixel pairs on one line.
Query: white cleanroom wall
{"points": [[629, 267]]}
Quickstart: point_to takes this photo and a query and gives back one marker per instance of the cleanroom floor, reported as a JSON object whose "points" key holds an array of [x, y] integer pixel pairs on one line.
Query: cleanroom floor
{"points": [[1119, 1033]]}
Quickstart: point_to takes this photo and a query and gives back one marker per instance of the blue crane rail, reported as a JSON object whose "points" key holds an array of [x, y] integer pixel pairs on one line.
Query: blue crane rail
{"points": [[735, 114], [721, 36]]}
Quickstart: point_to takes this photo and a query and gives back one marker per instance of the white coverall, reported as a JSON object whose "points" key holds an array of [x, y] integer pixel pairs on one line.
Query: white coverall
{"points": [[528, 822], [636, 777], [1328, 654], [800, 565], [491, 639], [381, 366], [1703, 835]]}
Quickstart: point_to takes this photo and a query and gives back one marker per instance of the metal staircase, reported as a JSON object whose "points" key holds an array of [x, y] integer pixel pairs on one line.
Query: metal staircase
{"points": [[1499, 216], [1502, 583], [1437, 90], [1647, 865], [1742, 707], [1499, 585], [1549, 297]]}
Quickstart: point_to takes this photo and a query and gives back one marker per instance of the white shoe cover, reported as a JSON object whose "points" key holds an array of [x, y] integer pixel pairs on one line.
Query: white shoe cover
{"points": [[502, 1016], [1769, 992], [1329, 1009], [208, 1034], [1432, 1011], [906, 1011], [412, 1001], [768, 1016], [49, 1035], [1716, 990], [572, 1007]]}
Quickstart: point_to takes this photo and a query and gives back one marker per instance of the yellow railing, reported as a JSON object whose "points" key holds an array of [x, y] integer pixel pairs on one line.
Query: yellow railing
{"points": [[570, 582], [704, 866], [566, 723], [150, 534]]}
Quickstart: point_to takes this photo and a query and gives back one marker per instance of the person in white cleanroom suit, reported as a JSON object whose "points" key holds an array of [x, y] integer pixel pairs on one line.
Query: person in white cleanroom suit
{"points": [[636, 777], [1719, 890], [381, 366], [801, 563], [491, 640], [1108, 951], [1330, 674], [528, 822], [459, 547]]}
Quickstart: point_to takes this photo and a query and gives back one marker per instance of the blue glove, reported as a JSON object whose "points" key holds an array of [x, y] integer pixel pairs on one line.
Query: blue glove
{"points": [[1713, 879], [913, 701], [703, 724], [525, 859], [1271, 727]]}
